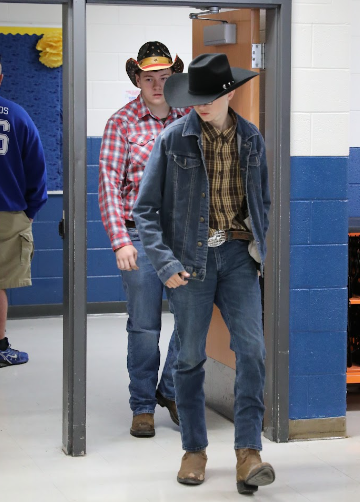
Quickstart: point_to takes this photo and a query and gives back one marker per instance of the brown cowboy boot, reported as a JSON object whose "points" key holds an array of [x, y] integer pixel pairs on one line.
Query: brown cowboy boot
{"points": [[143, 426], [192, 470], [170, 405], [251, 472]]}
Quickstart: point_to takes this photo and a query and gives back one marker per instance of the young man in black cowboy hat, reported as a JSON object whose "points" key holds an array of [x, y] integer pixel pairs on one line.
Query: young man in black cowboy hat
{"points": [[202, 215], [128, 139]]}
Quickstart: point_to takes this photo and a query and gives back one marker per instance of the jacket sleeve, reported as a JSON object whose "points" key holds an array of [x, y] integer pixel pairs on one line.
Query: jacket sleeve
{"points": [[146, 213], [264, 184]]}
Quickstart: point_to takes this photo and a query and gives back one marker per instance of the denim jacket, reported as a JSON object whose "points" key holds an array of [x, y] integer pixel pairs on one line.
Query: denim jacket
{"points": [[172, 210]]}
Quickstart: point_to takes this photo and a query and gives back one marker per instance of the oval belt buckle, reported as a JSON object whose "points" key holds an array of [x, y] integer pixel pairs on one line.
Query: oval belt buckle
{"points": [[217, 239]]}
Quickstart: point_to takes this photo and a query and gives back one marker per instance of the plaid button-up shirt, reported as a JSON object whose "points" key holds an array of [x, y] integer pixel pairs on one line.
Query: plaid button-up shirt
{"points": [[223, 168], [128, 139]]}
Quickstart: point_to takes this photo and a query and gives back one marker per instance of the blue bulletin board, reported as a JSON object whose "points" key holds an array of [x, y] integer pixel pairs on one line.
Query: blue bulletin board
{"points": [[38, 89]]}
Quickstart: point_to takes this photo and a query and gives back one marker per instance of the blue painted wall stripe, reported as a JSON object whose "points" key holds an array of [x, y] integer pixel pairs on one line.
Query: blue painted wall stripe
{"points": [[323, 178], [318, 286]]}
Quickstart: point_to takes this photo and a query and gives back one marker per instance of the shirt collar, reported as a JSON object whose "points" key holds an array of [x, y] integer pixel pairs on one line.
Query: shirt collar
{"points": [[143, 110], [212, 133]]}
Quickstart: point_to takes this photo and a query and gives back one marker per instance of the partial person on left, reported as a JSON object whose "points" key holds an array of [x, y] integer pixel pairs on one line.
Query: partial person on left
{"points": [[23, 191]]}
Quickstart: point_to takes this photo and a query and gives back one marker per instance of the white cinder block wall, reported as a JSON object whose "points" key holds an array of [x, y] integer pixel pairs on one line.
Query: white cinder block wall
{"points": [[322, 34], [355, 75], [30, 15], [320, 102], [114, 34]]}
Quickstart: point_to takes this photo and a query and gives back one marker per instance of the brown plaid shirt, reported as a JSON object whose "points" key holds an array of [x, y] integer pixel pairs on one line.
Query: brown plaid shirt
{"points": [[223, 169]]}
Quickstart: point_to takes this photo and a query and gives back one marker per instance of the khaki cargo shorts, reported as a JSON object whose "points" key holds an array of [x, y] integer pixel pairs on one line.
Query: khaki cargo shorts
{"points": [[16, 249]]}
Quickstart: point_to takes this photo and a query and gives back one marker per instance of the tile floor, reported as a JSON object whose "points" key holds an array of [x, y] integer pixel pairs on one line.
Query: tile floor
{"points": [[120, 468]]}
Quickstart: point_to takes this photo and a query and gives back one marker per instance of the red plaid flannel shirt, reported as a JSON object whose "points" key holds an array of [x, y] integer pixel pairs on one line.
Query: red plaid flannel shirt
{"points": [[128, 139]]}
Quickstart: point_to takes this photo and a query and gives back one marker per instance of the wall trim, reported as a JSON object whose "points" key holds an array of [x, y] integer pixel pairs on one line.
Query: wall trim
{"points": [[317, 428]]}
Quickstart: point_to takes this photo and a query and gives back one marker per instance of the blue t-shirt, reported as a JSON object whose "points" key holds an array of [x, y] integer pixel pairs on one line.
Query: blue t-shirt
{"points": [[22, 161]]}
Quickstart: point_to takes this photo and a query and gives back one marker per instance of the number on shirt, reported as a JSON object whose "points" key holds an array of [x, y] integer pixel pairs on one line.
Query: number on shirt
{"points": [[4, 138]]}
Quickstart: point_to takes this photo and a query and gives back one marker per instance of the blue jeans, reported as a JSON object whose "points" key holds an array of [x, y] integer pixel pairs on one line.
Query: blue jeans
{"points": [[144, 292], [231, 283]]}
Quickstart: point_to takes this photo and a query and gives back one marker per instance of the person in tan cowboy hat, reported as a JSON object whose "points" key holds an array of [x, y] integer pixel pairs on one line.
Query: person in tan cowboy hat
{"points": [[128, 139], [153, 56], [202, 215]]}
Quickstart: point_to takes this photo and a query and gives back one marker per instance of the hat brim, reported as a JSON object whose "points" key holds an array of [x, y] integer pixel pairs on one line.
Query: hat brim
{"points": [[177, 95], [132, 66]]}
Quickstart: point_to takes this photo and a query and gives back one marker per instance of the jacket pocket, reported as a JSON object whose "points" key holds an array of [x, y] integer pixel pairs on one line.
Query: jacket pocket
{"points": [[254, 169], [186, 161], [254, 160], [27, 247]]}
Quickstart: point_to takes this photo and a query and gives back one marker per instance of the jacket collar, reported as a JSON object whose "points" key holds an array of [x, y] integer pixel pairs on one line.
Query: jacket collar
{"points": [[192, 127]]}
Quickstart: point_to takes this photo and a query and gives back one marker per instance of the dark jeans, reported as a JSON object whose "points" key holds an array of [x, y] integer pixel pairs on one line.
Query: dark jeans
{"points": [[144, 302], [231, 283]]}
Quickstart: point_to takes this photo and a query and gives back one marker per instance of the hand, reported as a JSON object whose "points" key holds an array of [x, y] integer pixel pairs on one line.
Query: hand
{"points": [[177, 280], [126, 258]]}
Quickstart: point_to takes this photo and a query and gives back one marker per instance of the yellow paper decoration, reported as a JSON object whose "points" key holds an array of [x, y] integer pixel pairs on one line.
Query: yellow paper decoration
{"points": [[50, 46]]}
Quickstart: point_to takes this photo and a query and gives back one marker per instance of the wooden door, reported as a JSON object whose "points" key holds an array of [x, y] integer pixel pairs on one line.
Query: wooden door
{"points": [[246, 99], [246, 103]]}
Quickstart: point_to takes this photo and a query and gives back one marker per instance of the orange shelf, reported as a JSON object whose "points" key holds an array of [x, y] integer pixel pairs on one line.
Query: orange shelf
{"points": [[353, 374]]}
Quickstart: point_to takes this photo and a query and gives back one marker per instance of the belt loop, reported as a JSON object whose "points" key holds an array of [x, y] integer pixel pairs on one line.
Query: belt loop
{"points": [[130, 224]]}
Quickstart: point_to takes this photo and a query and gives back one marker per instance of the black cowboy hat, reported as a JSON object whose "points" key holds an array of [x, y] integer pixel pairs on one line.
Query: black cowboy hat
{"points": [[209, 77], [152, 56]]}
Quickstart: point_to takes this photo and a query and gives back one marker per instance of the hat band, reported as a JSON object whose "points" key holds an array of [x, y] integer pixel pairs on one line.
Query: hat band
{"points": [[229, 84], [154, 61], [200, 92]]}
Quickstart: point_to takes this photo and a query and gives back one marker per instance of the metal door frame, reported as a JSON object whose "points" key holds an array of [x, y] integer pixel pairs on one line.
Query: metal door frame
{"points": [[277, 137]]}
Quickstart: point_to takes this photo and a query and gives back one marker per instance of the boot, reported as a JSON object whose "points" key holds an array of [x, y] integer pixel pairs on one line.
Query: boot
{"points": [[164, 402], [192, 470], [143, 426], [251, 472]]}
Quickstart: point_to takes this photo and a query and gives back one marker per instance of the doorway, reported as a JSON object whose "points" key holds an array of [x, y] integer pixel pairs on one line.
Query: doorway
{"points": [[277, 135]]}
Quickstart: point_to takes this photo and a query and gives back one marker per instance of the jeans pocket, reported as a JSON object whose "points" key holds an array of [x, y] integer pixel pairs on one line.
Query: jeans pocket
{"points": [[25, 216], [27, 247], [133, 234]]}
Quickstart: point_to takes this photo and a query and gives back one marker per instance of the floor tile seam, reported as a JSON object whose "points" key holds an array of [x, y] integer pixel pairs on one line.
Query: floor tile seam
{"points": [[336, 468], [49, 477], [347, 475], [288, 485], [316, 455]]}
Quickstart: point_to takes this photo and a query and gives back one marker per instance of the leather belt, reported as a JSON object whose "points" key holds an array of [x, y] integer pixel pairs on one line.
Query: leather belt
{"points": [[130, 224], [221, 236], [231, 235]]}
